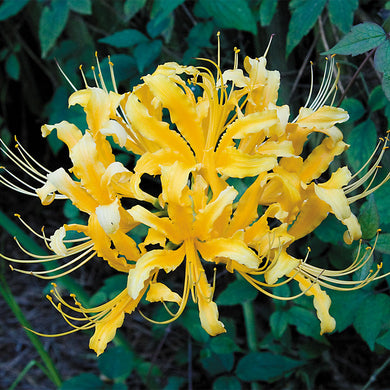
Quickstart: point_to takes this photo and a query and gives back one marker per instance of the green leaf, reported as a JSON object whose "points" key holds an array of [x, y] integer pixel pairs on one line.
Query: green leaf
{"points": [[267, 11], [227, 383], [124, 68], [51, 24], [382, 200], [162, 8], [146, 53], [116, 362], [131, 7], [190, 321], [223, 344], [218, 363], [81, 6], [236, 293], [304, 14], [369, 219], [306, 321], [278, 323], [163, 27], [362, 141], [384, 340], [11, 7], [125, 38], [354, 107], [12, 66], [331, 230], [342, 16], [83, 382], [230, 14], [373, 311], [382, 57], [383, 243], [377, 99], [70, 210], [265, 366], [386, 85], [200, 34], [345, 306], [174, 383], [363, 37]]}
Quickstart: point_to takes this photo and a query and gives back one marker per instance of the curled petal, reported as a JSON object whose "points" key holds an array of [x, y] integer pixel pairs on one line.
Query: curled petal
{"points": [[281, 266], [321, 302], [159, 292], [229, 248], [168, 260], [109, 217], [56, 242]]}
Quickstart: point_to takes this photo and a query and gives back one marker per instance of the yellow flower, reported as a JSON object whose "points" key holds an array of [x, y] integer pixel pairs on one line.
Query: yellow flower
{"points": [[195, 143]]}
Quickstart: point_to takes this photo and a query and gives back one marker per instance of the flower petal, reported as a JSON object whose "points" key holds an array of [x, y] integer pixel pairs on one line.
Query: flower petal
{"points": [[168, 260]]}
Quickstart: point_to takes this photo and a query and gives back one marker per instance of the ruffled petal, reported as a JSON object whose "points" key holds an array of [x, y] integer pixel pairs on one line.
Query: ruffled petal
{"points": [[168, 260]]}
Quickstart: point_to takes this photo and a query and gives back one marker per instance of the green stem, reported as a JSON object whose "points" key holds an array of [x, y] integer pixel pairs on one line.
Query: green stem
{"points": [[250, 325], [53, 374], [251, 334]]}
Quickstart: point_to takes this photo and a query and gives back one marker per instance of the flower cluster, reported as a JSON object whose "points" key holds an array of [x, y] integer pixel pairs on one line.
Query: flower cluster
{"points": [[195, 130]]}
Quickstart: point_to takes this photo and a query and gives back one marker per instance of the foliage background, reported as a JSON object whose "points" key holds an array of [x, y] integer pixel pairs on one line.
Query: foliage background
{"points": [[288, 352]]}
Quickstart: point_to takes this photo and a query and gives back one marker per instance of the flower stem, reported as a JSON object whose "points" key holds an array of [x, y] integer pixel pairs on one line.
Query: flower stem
{"points": [[52, 372], [251, 334], [250, 325]]}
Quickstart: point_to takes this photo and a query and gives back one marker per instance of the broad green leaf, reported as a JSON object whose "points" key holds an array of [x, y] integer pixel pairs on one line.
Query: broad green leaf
{"points": [[174, 383], [12, 66], [124, 68], [227, 383], [304, 14], [386, 84], [116, 362], [265, 366], [163, 27], [377, 99], [382, 57], [342, 15], [200, 34], [218, 363], [331, 230], [162, 8], [383, 243], [125, 38], [70, 210], [81, 6], [230, 14], [267, 11], [362, 141], [131, 7], [370, 316], [146, 53], [83, 382], [306, 321], [236, 293], [51, 24], [344, 307], [278, 323], [384, 340], [11, 7], [190, 320], [223, 344], [354, 107], [363, 37], [369, 219]]}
